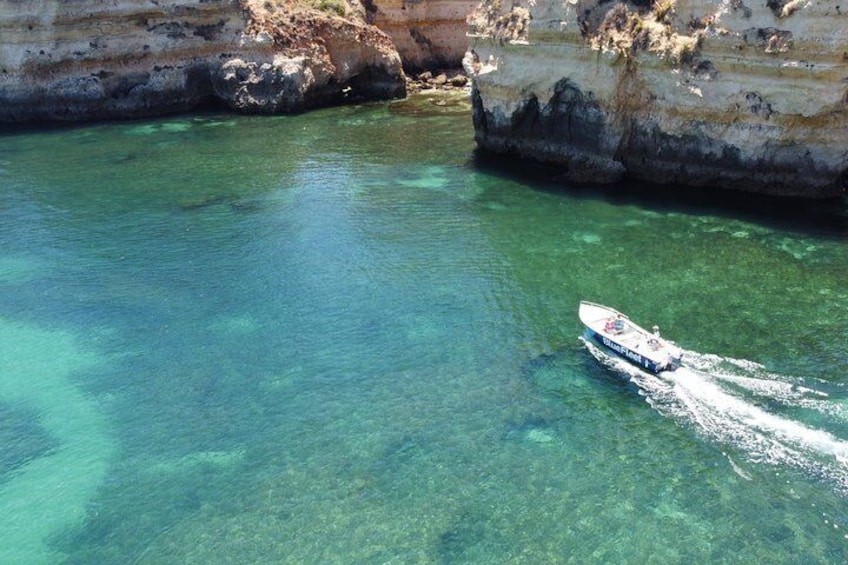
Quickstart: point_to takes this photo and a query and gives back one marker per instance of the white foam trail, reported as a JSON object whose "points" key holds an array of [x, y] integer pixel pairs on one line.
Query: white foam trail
{"points": [[752, 377], [707, 396], [718, 397]]}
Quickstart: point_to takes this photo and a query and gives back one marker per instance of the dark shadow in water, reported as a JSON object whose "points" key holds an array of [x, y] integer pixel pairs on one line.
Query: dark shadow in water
{"points": [[204, 108], [823, 218], [545, 373], [465, 538], [232, 201], [23, 439]]}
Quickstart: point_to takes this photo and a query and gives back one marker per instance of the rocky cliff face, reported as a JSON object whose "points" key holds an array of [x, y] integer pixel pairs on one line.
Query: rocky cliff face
{"points": [[95, 59], [428, 33], [728, 93]]}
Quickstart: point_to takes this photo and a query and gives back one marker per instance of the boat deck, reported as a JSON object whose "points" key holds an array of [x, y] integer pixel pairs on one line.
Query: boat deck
{"points": [[631, 337]]}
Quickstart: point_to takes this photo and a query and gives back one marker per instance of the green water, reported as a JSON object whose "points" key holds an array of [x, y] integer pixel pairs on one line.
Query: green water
{"points": [[343, 338]]}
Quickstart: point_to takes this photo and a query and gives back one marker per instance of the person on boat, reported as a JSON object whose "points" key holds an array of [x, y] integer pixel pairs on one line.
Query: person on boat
{"points": [[609, 327], [619, 324], [654, 340]]}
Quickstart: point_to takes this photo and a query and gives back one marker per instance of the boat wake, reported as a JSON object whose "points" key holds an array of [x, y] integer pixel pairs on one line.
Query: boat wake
{"points": [[767, 418]]}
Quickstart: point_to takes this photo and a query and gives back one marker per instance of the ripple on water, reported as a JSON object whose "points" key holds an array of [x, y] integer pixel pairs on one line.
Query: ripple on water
{"points": [[15, 270], [50, 494]]}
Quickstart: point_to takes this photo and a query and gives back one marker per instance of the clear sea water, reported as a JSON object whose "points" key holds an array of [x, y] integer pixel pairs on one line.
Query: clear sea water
{"points": [[343, 337]]}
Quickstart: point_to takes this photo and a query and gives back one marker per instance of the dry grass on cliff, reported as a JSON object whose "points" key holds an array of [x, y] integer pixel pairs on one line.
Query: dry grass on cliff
{"points": [[626, 29], [332, 7], [499, 21], [300, 25]]}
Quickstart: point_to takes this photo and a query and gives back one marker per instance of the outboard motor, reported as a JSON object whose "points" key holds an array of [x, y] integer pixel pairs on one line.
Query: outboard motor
{"points": [[675, 360]]}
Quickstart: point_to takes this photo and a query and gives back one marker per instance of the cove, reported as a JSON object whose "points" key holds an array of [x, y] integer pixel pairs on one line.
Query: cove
{"points": [[344, 336]]}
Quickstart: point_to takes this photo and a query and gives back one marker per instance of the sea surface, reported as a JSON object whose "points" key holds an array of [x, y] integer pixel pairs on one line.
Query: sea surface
{"points": [[345, 337]]}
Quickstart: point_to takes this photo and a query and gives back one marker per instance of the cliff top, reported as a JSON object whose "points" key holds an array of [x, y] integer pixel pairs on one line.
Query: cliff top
{"points": [[296, 25]]}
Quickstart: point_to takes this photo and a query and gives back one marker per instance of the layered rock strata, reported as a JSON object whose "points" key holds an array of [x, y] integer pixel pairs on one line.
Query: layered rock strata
{"points": [[428, 34], [693, 92], [96, 59]]}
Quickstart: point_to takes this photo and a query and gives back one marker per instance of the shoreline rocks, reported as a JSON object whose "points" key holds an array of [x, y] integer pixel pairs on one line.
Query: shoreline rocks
{"points": [[88, 60], [440, 79]]}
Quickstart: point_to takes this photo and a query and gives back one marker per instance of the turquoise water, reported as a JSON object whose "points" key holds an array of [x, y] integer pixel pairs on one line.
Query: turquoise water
{"points": [[341, 337]]}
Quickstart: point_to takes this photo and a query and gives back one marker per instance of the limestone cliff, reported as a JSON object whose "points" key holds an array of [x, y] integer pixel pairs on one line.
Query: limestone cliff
{"points": [[728, 93], [94, 59], [427, 33]]}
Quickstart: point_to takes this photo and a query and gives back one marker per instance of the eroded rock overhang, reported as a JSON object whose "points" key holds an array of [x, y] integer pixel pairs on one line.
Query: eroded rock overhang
{"points": [[691, 92]]}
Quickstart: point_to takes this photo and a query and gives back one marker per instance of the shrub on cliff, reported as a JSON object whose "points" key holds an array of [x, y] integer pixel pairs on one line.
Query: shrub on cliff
{"points": [[337, 7]]}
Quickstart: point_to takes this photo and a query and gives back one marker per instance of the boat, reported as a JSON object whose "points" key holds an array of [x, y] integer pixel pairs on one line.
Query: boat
{"points": [[617, 333]]}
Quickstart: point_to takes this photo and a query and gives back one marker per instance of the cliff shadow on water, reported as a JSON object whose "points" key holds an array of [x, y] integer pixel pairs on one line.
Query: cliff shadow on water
{"points": [[826, 218], [204, 108]]}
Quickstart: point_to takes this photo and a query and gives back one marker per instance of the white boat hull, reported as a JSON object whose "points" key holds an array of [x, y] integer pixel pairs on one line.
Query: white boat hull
{"points": [[617, 333]]}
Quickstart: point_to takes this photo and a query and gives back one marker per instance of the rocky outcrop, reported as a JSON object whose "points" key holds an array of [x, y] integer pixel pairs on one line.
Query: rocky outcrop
{"points": [[723, 93], [428, 34], [92, 59]]}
